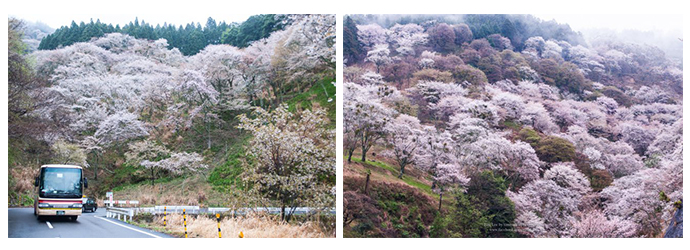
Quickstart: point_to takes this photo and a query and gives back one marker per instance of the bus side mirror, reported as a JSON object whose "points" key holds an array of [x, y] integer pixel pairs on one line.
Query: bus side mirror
{"points": [[86, 183], [36, 182]]}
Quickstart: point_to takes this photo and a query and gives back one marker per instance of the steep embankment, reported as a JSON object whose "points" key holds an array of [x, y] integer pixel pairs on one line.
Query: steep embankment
{"points": [[387, 206]]}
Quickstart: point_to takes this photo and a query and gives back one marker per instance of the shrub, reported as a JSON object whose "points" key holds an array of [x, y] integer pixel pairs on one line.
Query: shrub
{"points": [[555, 149], [432, 75], [482, 211], [467, 73], [618, 95], [600, 179], [404, 210], [530, 136]]}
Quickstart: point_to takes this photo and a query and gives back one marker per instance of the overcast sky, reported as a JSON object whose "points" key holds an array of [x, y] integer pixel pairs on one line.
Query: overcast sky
{"points": [[619, 22], [152, 18], [61, 13]]}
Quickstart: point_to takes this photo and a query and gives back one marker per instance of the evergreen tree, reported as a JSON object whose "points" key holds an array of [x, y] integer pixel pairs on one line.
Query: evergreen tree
{"points": [[189, 39], [352, 48]]}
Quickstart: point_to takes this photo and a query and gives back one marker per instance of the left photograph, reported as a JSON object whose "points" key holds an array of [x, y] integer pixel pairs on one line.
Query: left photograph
{"points": [[124, 127]]}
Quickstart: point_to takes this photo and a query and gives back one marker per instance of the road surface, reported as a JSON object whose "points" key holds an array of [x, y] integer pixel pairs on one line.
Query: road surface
{"points": [[23, 224]]}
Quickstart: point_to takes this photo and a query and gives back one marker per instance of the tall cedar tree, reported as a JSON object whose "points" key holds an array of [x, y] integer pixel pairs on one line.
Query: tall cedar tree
{"points": [[353, 51]]}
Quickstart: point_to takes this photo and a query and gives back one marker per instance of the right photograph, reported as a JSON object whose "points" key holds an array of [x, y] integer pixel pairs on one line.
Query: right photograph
{"points": [[512, 126]]}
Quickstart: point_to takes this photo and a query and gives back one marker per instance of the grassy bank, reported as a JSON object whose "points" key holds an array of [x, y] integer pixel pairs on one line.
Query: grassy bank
{"points": [[251, 226]]}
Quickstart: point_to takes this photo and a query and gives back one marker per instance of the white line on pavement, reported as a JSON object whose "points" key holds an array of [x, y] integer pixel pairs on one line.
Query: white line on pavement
{"points": [[130, 228], [49, 225]]}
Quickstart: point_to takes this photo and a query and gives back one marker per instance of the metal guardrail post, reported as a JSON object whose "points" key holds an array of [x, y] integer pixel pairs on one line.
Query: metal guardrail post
{"points": [[218, 219], [165, 217], [184, 217]]}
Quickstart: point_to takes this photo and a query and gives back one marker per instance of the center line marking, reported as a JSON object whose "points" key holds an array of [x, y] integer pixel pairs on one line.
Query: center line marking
{"points": [[49, 225]]}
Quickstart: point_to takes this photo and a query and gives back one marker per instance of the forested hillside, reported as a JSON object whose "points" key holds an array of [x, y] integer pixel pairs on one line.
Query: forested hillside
{"points": [[506, 126], [162, 127], [188, 39]]}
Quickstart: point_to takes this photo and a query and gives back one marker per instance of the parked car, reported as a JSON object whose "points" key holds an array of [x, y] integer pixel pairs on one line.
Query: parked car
{"points": [[89, 204]]}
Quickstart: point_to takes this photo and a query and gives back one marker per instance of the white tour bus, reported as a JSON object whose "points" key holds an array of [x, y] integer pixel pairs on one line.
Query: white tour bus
{"points": [[60, 190]]}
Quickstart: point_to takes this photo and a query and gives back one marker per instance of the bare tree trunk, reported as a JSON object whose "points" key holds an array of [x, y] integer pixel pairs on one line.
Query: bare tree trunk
{"points": [[153, 177], [95, 168], [440, 201], [366, 185], [208, 140], [402, 171], [208, 131]]}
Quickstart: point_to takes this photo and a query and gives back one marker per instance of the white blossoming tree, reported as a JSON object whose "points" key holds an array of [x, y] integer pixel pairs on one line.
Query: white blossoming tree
{"points": [[406, 136], [379, 55], [291, 156], [120, 127]]}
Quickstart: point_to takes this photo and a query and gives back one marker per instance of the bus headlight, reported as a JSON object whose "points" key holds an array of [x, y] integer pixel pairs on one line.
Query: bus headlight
{"points": [[44, 205], [76, 205]]}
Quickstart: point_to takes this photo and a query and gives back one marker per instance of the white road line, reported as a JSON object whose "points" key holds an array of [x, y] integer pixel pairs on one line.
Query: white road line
{"points": [[133, 229], [49, 225]]}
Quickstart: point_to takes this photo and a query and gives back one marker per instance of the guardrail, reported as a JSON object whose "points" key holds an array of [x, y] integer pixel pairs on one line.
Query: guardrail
{"points": [[214, 210], [128, 213], [111, 212], [121, 202]]}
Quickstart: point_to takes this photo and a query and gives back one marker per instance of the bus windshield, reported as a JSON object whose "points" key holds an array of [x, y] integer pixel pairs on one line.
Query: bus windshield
{"points": [[60, 183]]}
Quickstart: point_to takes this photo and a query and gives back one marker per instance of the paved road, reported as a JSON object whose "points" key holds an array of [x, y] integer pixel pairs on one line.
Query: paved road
{"points": [[23, 224]]}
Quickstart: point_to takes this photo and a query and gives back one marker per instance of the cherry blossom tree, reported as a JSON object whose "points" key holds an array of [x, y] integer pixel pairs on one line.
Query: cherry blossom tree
{"points": [[447, 176], [291, 153], [516, 160], [535, 115], [149, 152], [534, 46], [92, 145], [512, 105], [636, 198], [544, 209], [371, 34], [565, 175], [594, 224], [589, 61], [637, 135], [371, 78], [306, 46], [200, 99], [379, 55], [482, 110], [178, 163], [120, 127], [466, 130], [405, 134], [407, 37], [221, 66], [365, 117], [437, 158], [315, 35]]}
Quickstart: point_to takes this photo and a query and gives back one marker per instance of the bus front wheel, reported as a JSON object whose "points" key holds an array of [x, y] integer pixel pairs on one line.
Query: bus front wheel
{"points": [[74, 218]]}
